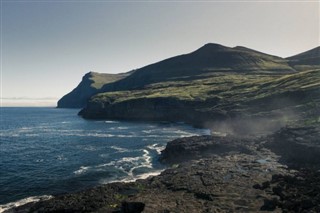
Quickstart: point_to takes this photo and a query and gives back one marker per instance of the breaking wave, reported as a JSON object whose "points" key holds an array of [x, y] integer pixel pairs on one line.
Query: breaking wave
{"points": [[8, 206]]}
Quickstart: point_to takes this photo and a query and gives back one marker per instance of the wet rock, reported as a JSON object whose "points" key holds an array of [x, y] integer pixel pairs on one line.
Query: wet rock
{"points": [[196, 147]]}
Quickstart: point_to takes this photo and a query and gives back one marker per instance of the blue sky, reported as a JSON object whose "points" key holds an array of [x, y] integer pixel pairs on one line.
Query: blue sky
{"points": [[47, 46]]}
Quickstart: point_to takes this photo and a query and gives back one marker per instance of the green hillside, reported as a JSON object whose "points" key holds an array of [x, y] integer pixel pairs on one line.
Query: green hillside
{"points": [[209, 59], [306, 60], [219, 97]]}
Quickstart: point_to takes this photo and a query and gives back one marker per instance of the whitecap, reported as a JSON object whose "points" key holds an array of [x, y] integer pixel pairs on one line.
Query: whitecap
{"points": [[133, 178], [119, 149], [82, 170], [156, 147], [61, 157], [111, 122], [122, 127], [8, 206], [148, 131]]}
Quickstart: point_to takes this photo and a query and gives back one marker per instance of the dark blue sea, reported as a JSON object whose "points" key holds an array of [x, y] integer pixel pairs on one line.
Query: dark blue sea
{"points": [[49, 151]]}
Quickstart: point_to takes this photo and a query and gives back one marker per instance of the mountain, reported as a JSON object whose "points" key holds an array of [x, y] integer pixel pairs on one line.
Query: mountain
{"points": [[306, 60], [209, 59], [91, 83], [205, 61]]}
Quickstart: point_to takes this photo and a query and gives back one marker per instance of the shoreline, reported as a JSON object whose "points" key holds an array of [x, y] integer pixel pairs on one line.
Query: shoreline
{"points": [[7, 207], [203, 172]]}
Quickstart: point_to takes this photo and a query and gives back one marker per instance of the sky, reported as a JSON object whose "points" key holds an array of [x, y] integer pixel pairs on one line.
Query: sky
{"points": [[47, 46]]}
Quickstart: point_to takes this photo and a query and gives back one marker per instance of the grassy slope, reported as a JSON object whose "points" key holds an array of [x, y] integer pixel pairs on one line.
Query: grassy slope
{"points": [[241, 94], [307, 60], [100, 79], [199, 64], [209, 59]]}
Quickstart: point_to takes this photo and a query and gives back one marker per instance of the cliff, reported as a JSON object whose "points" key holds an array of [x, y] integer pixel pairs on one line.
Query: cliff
{"points": [[230, 98], [91, 84]]}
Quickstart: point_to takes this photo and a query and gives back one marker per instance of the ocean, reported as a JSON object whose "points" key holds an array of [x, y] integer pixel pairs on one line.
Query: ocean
{"points": [[49, 151]]}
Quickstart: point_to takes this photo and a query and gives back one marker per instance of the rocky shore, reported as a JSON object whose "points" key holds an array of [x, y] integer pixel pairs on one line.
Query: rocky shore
{"points": [[279, 173]]}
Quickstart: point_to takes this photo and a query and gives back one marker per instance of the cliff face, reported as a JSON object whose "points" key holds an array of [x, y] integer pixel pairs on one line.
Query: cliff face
{"points": [[213, 83], [232, 98], [150, 109], [91, 84]]}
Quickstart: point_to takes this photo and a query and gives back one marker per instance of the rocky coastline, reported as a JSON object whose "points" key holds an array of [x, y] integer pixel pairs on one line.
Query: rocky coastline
{"points": [[278, 172]]}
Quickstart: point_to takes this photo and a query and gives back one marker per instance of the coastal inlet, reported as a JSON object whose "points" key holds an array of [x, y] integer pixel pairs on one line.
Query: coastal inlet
{"points": [[47, 151]]}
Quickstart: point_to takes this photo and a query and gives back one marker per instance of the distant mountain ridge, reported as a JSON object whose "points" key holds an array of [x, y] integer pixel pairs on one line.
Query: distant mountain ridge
{"points": [[307, 60], [207, 60]]}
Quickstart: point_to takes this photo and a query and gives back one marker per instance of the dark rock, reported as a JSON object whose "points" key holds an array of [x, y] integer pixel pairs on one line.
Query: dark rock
{"points": [[269, 205], [183, 149], [298, 147], [132, 207]]}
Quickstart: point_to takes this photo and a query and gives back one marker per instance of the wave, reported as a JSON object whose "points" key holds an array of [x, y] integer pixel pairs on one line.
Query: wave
{"points": [[119, 128], [125, 164], [133, 178], [82, 170], [158, 148], [119, 149], [8, 206], [148, 131], [99, 135], [111, 122], [141, 176]]}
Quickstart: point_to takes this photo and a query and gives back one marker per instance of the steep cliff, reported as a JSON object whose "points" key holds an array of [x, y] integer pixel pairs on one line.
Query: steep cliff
{"points": [[91, 84], [235, 97]]}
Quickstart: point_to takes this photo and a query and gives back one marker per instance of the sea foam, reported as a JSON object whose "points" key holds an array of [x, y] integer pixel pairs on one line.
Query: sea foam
{"points": [[8, 206]]}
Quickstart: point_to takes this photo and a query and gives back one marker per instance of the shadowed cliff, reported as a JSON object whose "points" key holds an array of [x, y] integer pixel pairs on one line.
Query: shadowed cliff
{"points": [[91, 84]]}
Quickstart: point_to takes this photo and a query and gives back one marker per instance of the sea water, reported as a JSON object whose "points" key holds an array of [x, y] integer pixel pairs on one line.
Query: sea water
{"points": [[49, 151]]}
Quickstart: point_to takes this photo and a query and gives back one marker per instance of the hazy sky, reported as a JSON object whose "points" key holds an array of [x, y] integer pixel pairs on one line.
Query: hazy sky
{"points": [[47, 46]]}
